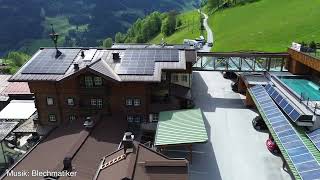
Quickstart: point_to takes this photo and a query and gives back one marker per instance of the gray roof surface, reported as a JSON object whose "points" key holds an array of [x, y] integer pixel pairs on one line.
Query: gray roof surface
{"points": [[6, 128], [100, 61]]}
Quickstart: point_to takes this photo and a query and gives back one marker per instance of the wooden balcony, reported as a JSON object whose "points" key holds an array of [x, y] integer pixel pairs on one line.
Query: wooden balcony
{"points": [[310, 61]]}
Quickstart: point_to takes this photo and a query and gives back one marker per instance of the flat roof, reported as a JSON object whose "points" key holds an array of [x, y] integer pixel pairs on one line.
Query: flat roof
{"points": [[181, 127], [6, 128], [254, 78], [18, 109]]}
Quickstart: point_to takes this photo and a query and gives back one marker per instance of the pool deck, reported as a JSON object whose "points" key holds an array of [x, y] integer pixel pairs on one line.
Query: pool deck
{"points": [[292, 97]]}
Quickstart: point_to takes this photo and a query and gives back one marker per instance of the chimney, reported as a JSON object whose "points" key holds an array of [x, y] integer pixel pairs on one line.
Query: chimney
{"points": [[115, 56], [127, 141], [76, 67], [82, 54], [67, 164]]}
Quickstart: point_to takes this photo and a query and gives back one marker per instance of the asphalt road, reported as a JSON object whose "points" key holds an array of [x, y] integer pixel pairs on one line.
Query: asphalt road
{"points": [[235, 150], [206, 48]]}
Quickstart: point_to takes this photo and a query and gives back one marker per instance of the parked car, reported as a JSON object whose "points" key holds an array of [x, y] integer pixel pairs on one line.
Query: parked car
{"points": [[259, 124], [230, 75], [234, 86], [88, 123], [272, 146], [210, 44]]}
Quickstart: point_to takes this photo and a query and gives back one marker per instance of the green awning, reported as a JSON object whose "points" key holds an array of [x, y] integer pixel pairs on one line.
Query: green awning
{"points": [[180, 127]]}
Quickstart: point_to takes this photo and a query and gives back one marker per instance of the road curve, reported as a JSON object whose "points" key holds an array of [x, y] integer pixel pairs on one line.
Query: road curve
{"points": [[206, 48]]}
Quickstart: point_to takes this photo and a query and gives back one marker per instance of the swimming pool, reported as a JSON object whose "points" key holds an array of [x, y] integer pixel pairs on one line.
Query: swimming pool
{"points": [[308, 88]]}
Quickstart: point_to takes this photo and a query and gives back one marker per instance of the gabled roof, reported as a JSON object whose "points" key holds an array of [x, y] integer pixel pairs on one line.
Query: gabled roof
{"points": [[141, 163], [44, 66]]}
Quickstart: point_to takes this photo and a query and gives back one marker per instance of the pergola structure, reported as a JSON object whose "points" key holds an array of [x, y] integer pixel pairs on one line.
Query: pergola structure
{"points": [[181, 128]]}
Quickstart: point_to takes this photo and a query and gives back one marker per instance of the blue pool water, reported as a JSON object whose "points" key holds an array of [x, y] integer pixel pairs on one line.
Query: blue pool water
{"points": [[308, 88]]}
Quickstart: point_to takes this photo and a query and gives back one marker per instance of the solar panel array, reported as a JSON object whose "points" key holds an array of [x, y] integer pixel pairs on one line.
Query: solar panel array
{"points": [[314, 136], [283, 103], [304, 162], [142, 61], [46, 62]]}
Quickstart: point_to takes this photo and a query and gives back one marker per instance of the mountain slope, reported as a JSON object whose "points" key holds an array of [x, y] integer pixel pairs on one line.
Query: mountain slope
{"points": [[81, 22], [266, 25], [189, 29]]}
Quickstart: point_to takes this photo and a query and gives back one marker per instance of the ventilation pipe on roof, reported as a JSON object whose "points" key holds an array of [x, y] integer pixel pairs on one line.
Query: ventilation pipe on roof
{"points": [[76, 67], [116, 56], [127, 141], [67, 164], [82, 54]]}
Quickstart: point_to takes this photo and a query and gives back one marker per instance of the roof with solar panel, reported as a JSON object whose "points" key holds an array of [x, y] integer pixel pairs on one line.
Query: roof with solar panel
{"points": [[301, 149], [120, 64]]}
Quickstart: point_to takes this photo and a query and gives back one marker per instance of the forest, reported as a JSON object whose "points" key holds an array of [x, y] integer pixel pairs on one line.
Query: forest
{"points": [[25, 24]]}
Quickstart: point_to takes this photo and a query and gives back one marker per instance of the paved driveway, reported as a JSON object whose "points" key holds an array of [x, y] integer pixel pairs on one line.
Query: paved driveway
{"points": [[235, 151]]}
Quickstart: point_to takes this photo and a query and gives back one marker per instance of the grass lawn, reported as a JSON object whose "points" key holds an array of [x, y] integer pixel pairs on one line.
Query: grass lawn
{"points": [[267, 25], [190, 29]]}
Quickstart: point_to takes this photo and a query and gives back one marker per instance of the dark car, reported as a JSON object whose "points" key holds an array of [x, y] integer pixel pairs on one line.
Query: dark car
{"points": [[259, 124], [230, 75], [210, 44], [234, 86]]}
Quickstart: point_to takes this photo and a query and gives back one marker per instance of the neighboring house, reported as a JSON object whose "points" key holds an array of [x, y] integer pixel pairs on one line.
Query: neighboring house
{"points": [[4, 99], [133, 83], [143, 163]]}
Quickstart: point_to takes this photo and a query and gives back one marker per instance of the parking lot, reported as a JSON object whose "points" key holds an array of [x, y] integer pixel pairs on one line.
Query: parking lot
{"points": [[235, 150]]}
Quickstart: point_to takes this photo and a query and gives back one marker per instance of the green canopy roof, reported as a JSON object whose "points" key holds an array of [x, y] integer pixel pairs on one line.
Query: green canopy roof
{"points": [[180, 127]]}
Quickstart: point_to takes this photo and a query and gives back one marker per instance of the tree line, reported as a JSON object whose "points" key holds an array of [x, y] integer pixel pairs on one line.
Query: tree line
{"points": [[143, 30]]}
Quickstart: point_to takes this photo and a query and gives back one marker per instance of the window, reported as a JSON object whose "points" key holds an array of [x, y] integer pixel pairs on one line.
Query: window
{"points": [[155, 117], [97, 81], [70, 101], [88, 81], [93, 102], [130, 119], [137, 119], [175, 78], [52, 118], [50, 101], [129, 102], [72, 118], [99, 103], [163, 76], [184, 78], [137, 102]]}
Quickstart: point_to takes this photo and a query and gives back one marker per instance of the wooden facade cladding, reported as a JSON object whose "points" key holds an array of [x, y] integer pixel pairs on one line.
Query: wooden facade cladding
{"points": [[113, 94], [299, 60]]}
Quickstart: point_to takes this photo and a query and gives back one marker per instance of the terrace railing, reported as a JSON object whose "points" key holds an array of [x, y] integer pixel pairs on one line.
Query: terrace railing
{"points": [[241, 61], [314, 106]]}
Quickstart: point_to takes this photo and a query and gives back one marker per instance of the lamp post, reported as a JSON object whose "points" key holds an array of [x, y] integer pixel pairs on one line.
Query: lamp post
{"points": [[55, 36]]}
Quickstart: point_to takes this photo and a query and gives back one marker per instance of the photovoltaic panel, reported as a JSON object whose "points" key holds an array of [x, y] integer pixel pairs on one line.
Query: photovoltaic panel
{"points": [[46, 62], [142, 61], [314, 136], [303, 160], [283, 103]]}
